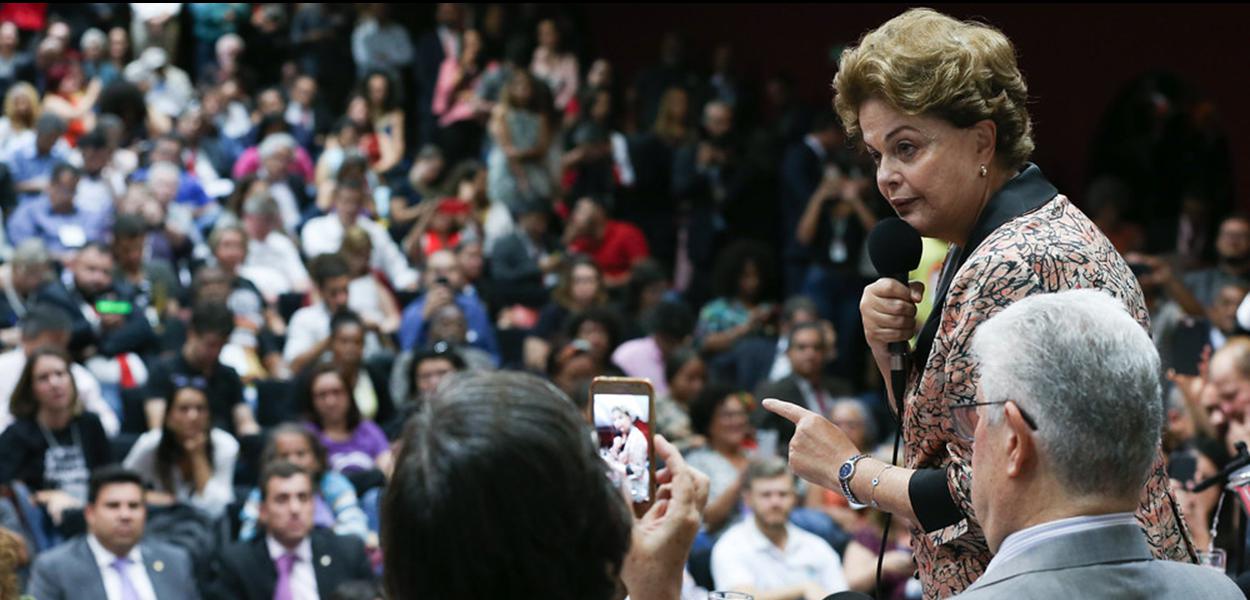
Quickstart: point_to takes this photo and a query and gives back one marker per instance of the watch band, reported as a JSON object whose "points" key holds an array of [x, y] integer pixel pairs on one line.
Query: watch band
{"points": [[845, 474]]}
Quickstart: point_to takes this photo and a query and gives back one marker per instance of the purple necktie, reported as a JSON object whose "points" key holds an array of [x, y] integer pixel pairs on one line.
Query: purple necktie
{"points": [[128, 587], [282, 591]]}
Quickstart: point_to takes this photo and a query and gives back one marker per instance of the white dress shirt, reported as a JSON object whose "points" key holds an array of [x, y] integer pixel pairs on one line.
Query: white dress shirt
{"points": [[136, 571], [324, 235], [277, 255], [781, 368], [303, 578], [817, 400], [1022, 541], [309, 326], [288, 204], [744, 557], [98, 193]]}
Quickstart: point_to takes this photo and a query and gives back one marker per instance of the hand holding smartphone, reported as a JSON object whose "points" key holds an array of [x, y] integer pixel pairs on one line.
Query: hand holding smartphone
{"points": [[623, 414]]}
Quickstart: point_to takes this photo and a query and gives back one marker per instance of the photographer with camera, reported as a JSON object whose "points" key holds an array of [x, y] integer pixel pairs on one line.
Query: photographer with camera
{"points": [[445, 285]]}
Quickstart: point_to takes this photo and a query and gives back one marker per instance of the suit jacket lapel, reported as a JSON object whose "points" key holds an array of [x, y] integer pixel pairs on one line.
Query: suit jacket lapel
{"points": [[263, 570], [1116, 544], [323, 563], [95, 578], [158, 567]]}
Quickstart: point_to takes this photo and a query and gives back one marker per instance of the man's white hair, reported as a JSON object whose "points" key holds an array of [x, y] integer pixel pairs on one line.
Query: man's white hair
{"points": [[275, 142], [92, 37], [1088, 374]]}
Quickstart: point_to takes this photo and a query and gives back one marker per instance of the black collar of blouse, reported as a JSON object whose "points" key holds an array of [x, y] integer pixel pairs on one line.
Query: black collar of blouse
{"points": [[1024, 193]]}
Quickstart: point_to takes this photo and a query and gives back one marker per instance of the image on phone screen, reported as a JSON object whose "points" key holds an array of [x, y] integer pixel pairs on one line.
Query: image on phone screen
{"points": [[622, 422]]}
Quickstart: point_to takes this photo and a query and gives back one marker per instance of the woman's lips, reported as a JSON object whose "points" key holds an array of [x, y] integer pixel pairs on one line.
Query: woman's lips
{"points": [[901, 203]]}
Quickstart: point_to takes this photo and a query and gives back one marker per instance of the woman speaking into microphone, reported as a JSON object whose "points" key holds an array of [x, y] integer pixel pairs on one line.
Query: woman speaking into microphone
{"points": [[940, 106]]}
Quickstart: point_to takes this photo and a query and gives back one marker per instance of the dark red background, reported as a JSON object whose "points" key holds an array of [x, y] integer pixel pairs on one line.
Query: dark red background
{"points": [[1075, 58]]}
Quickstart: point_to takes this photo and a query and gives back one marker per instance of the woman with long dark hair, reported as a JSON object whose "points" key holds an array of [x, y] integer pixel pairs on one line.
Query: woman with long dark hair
{"points": [[386, 115], [745, 275], [353, 443], [518, 169], [187, 460], [580, 288]]}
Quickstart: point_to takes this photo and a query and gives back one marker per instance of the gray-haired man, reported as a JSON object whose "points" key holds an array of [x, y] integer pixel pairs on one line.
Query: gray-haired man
{"points": [[1064, 435]]}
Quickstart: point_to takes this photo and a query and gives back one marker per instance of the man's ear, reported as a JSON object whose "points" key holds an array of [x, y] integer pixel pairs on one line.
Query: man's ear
{"points": [[1021, 446]]}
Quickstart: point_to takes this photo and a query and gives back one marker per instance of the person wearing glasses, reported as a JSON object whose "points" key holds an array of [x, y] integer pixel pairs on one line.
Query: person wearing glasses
{"points": [[940, 105], [1060, 462]]}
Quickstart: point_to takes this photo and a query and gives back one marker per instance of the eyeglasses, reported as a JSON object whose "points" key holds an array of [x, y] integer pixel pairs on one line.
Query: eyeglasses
{"points": [[964, 417], [180, 381]]}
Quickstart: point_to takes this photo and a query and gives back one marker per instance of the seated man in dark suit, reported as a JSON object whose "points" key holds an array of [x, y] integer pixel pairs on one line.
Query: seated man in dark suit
{"points": [[1066, 428], [808, 351], [758, 360], [110, 562], [292, 561]]}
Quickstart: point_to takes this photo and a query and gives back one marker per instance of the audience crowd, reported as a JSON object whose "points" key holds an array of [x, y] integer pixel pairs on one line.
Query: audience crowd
{"points": [[243, 244]]}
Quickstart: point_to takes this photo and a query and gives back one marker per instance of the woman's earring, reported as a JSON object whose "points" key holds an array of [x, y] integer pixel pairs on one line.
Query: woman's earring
{"points": [[984, 171]]}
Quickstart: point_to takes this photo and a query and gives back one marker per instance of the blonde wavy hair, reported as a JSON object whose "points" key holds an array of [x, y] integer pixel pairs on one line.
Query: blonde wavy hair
{"points": [[22, 88], [923, 62]]}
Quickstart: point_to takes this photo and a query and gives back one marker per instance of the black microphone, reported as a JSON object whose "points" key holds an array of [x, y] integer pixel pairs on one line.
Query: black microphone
{"points": [[894, 247], [848, 596]]}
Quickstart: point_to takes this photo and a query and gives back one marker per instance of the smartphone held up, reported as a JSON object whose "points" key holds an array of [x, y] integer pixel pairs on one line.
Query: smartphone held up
{"points": [[622, 411]]}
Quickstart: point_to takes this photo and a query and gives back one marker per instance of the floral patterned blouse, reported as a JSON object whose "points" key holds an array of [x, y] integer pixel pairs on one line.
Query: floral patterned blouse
{"points": [[1035, 241]]}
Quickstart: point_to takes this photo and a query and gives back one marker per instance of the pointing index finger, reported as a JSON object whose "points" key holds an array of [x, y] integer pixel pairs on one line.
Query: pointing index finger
{"points": [[791, 411]]}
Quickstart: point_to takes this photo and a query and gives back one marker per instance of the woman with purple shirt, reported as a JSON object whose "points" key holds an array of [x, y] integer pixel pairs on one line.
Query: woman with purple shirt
{"points": [[353, 444]]}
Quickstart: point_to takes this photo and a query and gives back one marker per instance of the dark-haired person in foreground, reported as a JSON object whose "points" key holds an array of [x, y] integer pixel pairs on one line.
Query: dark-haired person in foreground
{"points": [[459, 491], [110, 562]]}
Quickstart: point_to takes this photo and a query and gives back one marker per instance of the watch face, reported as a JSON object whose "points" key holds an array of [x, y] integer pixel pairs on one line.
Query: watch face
{"points": [[846, 471]]}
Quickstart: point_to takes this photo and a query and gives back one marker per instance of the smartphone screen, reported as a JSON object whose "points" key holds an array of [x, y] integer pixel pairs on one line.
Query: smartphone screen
{"points": [[1188, 342], [113, 307], [622, 410]]}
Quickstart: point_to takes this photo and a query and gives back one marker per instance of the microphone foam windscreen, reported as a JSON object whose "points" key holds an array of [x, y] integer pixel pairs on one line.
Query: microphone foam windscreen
{"points": [[894, 247]]}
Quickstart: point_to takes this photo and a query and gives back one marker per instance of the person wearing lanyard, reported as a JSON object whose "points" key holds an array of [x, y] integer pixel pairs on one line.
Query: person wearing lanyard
{"points": [[53, 444]]}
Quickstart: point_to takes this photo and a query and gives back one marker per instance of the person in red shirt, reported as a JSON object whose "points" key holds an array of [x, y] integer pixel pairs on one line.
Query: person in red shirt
{"points": [[614, 245]]}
